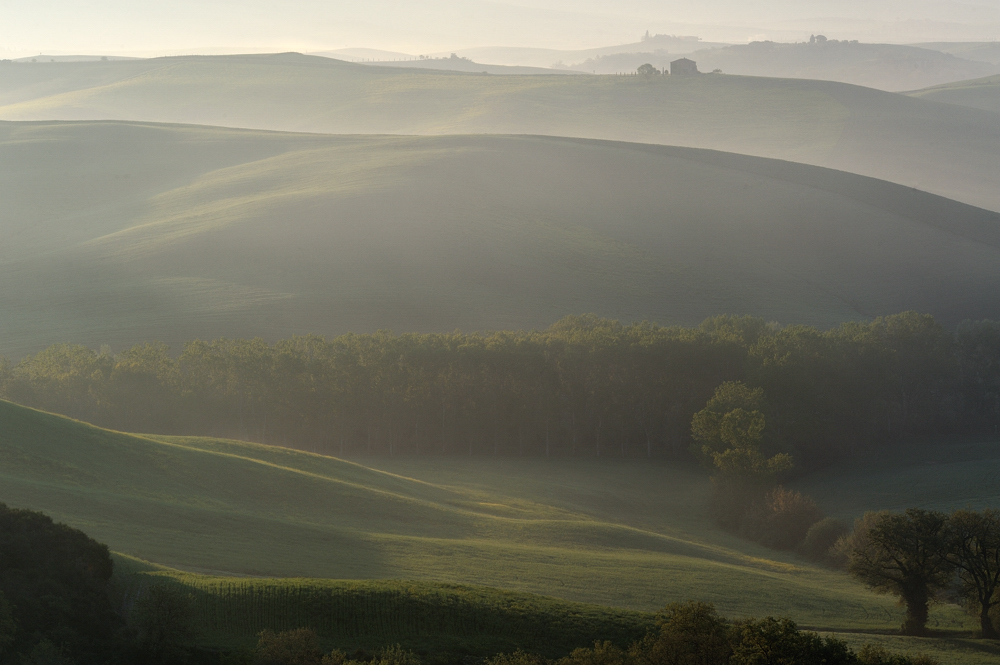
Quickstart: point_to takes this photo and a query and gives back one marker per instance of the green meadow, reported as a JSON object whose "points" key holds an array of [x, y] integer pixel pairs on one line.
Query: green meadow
{"points": [[943, 149], [631, 535], [269, 537], [120, 233]]}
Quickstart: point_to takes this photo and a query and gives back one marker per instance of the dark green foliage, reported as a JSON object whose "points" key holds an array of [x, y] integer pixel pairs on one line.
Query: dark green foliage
{"points": [[821, 538], [686, 634], [585, 386], [603, 653], [55, 580], [903, 554], [873, 654], [972, 544], [444, 619], [290, 647], [693, 634], [518, 657], [394, 655], [162, 618], [771, 641], [728, 434], [781, 520], [46, 653]]}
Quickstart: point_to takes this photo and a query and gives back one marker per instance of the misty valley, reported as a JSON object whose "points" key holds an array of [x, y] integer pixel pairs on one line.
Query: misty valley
{"points": [[678, 351]]}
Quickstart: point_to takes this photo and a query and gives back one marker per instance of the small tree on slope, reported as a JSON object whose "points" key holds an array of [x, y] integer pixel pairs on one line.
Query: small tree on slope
{"points": [[973, 547], [901, 554]]}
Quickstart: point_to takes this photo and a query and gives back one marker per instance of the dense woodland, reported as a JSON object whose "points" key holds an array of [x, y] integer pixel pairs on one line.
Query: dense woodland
{"points": [[586, 386]]}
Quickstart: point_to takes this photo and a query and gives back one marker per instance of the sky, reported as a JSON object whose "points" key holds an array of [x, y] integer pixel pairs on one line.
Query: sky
{"points": [[145, 27]]}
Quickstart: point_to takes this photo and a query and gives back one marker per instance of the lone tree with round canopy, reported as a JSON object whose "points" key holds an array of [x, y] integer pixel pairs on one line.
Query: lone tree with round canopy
{"points": [[973, 547], [902, 554]]}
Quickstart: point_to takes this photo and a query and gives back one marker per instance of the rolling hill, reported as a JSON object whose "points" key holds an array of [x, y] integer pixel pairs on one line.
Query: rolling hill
{"points": [[978, 51], [883, 66], [397, 550], [981, 93], [120, 233], [944, 149], [606, 534]]}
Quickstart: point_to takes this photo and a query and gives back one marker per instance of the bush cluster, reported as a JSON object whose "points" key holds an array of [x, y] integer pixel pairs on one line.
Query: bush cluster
{"points": [[685, 634]]}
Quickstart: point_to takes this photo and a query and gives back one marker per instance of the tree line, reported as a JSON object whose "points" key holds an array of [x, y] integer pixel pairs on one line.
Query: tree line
{"points": [[586, 386], [923, 555]]}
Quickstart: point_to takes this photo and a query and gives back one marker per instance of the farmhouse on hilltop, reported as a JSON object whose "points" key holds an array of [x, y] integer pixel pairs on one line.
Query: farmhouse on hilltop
{"points": [[683, 67]]}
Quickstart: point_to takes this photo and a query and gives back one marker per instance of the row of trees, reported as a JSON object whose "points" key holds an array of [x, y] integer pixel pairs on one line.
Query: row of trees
{"points": [[585, 386], [921, 555]]}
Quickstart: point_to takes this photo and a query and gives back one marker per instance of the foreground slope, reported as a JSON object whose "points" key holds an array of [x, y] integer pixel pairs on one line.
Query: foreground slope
{"points": [[981, 93], [631, 536], [121, 233], [944, 149]]}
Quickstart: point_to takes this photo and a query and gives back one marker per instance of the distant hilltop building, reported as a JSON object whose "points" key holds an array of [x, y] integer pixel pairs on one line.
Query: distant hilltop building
{"points": [[683, 67]]}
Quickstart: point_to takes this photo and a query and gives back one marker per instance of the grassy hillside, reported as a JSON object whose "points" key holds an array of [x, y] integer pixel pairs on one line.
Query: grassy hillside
{"points": [[978, 51], [981, 93], [435, 619], [944, 149], [881, 66], [965, 475], [456, 64], [123, 233], [632, 536], [441, 622]]}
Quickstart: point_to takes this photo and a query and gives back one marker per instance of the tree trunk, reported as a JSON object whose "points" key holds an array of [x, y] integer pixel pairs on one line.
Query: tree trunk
{"points": [[916, 601], [986, 623]]}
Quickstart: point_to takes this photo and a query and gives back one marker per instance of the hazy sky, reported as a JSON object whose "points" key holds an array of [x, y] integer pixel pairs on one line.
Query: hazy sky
{"points": [[423, 26]]}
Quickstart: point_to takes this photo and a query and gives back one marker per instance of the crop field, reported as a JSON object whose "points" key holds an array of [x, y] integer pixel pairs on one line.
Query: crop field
{"points": [[945, 149], [430, 618], [123, 233], [440, 621]]}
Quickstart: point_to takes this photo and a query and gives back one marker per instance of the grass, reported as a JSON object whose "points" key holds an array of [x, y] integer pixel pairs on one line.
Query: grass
{"points": [[940, 148], [948, 650], [121, 233], [628, 535], [488, 554], [435, 619]]}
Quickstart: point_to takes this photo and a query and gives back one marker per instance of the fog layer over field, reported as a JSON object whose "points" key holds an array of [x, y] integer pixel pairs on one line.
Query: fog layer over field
{"points": [[146, 27], [121, 233]]}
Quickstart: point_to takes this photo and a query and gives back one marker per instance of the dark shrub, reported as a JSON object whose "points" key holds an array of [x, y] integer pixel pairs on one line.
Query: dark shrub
{"points": [[821, 538], [781, 520], [603, 653], [771, 641], [289, 647], [686, 634], [876, 654], [55, 580], [162, 619], [519, 657]]}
